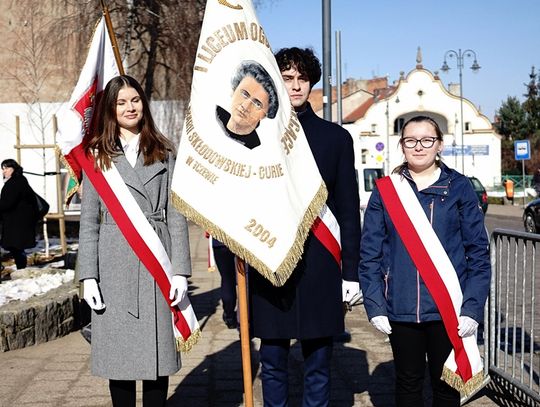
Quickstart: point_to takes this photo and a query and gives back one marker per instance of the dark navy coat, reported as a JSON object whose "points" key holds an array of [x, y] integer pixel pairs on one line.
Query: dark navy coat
{"points": [[18, 210], [390, 282], [309, 305]]}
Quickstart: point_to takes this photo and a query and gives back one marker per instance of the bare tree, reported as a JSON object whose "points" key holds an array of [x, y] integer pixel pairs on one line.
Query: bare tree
{"points": [[30, 69]]}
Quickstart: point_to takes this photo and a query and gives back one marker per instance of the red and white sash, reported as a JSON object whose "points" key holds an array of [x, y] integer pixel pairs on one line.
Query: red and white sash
{"points": [[134, 225], [463, 368], [326, 230]]}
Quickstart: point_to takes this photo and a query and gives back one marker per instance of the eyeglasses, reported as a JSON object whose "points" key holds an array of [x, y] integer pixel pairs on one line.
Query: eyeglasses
{"points": [[255, 102], [426, 142]]}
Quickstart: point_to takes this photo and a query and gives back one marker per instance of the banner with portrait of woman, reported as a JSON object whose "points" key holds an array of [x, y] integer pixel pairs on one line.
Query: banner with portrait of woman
{"points": [[244, 171]]}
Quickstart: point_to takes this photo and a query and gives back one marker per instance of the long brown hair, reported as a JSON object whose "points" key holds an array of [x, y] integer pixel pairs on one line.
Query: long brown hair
{"points": [[419, 119], [104, 141]]}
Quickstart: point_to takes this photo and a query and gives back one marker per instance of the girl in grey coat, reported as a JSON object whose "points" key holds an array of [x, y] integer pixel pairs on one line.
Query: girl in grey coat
{"points": [[132, 334]]}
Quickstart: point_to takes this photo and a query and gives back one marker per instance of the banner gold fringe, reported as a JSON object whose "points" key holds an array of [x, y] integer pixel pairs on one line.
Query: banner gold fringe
{"points": [[468, 388], [71, 191], [185, 346], [286, 268]]}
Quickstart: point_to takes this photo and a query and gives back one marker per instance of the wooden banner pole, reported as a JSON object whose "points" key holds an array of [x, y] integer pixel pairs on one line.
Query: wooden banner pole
{"points": [[112, 35], [244, 331]]}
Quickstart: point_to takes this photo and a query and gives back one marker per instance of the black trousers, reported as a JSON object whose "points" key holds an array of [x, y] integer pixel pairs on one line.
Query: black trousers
{"points": [[123, 392], [227, 269], [411, 343], [19, 255]]}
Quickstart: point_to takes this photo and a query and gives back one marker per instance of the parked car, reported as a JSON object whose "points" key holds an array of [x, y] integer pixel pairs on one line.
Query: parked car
{"points": [[531, 217], [480, 192]]}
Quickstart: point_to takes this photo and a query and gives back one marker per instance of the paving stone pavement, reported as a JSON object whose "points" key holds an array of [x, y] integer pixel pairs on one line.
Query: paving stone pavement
{"points": [[57, 373]]}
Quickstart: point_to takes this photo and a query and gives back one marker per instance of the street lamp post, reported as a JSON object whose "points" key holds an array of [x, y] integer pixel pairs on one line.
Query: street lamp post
{"points": [[387, 112], [460, 56]]}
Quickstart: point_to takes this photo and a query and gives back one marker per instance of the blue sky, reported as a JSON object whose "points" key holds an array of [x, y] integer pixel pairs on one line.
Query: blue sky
{"points": [[380, 37]]}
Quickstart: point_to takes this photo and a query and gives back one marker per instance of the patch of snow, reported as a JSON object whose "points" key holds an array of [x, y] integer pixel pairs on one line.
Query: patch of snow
{"points": [[37, 279], [23, 288]]}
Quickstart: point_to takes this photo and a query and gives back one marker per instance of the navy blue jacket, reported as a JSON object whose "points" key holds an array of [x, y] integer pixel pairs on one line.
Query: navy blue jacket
{"points": [[391, 283], [309, 305]]}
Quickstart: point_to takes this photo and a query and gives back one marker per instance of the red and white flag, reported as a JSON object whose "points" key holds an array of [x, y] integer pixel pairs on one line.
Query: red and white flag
{"points": [[74, 124], [75, 119]]}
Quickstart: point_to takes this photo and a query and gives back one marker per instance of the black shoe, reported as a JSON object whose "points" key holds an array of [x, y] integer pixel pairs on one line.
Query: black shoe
{"points": [[231, 322]]}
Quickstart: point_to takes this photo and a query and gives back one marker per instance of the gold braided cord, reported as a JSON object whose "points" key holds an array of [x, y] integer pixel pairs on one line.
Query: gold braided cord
{"points": [[227, 4], [285, 269]]}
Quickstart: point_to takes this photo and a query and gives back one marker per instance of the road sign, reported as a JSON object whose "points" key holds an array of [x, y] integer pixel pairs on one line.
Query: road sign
{"points": [[468, 150], [522, 150], [379, 146]]}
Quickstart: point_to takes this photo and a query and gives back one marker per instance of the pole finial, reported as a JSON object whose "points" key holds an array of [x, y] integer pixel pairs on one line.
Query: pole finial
{"points": [[419, 58]]}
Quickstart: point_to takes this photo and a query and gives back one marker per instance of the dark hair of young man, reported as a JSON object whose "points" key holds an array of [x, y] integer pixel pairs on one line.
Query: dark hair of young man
{"points": [[304, 60]]}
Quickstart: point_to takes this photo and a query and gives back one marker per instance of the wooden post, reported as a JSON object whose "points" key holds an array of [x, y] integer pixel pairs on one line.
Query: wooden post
{"points": [[59, 215], [244, 331], [59, 200], [18, 138]]}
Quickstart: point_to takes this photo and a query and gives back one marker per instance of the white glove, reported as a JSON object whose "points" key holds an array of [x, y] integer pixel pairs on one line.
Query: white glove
{"points": [[467, 326], [382, 324], [179, 287], [92, 295], [350, 291]]}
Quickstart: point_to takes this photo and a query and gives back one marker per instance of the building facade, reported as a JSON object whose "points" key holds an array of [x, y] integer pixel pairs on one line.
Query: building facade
{"points": [[474, 152]]}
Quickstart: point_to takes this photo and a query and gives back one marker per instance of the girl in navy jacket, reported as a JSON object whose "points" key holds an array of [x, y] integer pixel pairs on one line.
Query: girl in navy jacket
{"points": [[396, 298]]}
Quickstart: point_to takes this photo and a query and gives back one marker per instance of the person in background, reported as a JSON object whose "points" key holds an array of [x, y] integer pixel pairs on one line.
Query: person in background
{"points": [[399, 296], [18, 211], [132, 332], [225, 262], [536, 181], [309, 306]]}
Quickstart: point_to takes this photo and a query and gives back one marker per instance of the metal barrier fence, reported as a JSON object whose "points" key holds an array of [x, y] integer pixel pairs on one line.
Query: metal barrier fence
{"points": [[513, 351]]}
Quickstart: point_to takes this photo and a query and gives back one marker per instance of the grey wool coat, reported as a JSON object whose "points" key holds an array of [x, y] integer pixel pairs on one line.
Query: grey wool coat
{"points": [[132, 339]]}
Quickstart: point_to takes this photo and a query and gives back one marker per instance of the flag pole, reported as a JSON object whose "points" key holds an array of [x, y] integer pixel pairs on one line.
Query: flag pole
{"points": [[112, 36], [244, 331]]}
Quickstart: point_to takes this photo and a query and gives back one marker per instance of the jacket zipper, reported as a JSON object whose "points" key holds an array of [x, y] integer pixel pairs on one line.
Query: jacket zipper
{"points": [[386, 283]]}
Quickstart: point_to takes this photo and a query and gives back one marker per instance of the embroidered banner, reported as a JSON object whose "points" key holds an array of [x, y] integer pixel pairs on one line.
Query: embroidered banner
{"points": [[245, 172]]}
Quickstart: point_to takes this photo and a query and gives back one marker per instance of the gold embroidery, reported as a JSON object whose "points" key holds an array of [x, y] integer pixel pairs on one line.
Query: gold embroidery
{"points": [[227, 4]]}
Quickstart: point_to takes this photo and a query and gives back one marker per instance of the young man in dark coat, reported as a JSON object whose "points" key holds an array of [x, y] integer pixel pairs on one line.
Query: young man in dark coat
{"points": [[309, 307], [18, 210]]}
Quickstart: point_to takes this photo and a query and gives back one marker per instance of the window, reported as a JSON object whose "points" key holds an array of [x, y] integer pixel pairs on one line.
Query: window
{"points": [[365, 154], [374, 128], [398, 125], [467, 126], [370, 176]]}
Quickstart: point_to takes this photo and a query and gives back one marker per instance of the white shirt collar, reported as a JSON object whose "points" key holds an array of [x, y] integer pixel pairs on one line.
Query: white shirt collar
{"points": [[131, 149]]}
